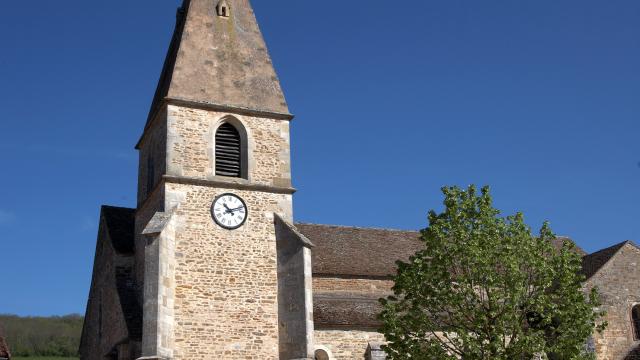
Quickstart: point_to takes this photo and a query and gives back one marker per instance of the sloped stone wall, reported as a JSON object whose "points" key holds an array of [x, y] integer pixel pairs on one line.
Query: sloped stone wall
{"points": [[619, 285]]}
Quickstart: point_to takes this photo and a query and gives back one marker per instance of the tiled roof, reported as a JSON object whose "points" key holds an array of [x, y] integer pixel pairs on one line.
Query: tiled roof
{"points": [[359, 251], [121, 227], [355, 251], [346, 311], [4, 348], [558, 241], [592, 263]]}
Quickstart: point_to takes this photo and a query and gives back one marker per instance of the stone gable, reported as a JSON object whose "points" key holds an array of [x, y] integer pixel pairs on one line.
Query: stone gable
{"points": [[617, 281]]}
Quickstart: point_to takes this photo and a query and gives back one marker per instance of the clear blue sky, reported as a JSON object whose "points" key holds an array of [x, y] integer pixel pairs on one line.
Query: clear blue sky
{"points": [[539, 99]]}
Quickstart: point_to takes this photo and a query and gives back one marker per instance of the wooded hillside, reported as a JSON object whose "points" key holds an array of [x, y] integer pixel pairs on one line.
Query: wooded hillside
{"points": [[42, 336]]}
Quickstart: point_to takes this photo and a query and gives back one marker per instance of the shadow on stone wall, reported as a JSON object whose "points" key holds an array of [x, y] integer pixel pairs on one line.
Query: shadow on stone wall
{"points": [[634, 354]]}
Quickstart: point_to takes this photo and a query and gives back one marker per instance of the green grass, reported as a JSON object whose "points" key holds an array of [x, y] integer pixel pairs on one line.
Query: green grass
{"points": [[44, 358]]}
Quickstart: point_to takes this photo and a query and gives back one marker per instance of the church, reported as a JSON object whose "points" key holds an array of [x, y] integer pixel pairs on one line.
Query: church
{"points": [[210, 264]]}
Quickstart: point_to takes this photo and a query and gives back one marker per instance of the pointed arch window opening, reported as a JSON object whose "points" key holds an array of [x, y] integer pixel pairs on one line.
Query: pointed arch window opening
{"points": [[635, 321], [230, 151], [223, 9]]}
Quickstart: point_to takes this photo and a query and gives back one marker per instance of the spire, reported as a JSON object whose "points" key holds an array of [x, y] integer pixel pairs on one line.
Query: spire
{"points": [[218, 57]]}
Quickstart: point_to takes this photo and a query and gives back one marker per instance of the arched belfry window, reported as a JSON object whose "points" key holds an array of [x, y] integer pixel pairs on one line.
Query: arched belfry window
{"points": [[230, 151], [223, 9], [635, 321]]}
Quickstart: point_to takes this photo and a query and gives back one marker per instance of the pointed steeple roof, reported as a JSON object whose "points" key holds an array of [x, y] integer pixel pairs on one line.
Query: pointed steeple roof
{"points": [[219, 59]]}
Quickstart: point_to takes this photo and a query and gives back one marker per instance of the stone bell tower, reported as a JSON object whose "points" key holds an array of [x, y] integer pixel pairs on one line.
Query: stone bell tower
{"points": [[214, 187]]}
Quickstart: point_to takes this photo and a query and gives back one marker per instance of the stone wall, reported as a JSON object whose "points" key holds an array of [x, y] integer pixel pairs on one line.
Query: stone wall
{"points": [[152, 205], [347, 344], [226, 281], [152, 146], [152, 151], [294, 292], [191, 135], [104, 323], [617, 282]]}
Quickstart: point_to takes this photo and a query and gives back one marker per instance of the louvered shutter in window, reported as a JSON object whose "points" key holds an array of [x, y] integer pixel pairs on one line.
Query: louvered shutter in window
{"points": [[228, 151]]}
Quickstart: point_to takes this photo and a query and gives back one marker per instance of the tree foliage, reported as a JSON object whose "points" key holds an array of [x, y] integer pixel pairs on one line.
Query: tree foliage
{"points": [[42, 336], [484, 287]]}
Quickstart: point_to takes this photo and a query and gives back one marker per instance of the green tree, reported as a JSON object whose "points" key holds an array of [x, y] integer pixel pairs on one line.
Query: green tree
{"points": [[484, 287], [42, 336]]}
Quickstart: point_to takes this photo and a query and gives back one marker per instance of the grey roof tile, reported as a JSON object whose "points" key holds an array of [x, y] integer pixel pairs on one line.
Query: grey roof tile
{"points": [[346, 311], [359, 251], [558, 241]]}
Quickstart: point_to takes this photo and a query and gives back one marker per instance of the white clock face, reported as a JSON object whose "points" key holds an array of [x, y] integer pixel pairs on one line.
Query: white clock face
{"points": [[229, 211]]}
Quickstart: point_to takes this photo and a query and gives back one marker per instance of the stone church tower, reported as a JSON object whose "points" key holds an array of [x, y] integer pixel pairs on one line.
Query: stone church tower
{"points": [[214, 177], [210, 265]]}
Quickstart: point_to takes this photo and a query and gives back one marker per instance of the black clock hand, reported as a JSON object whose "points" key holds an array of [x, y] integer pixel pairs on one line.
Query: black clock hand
{"points": [[228, 210], [238, 208]]}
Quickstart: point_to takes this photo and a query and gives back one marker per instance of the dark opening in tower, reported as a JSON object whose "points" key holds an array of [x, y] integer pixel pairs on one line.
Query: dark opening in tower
{"points": [[635, 321], [228, 151]]}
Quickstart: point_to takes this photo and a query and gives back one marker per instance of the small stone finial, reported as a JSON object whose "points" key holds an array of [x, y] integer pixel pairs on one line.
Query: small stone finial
{"points": [[375, 352], [223, 9]]}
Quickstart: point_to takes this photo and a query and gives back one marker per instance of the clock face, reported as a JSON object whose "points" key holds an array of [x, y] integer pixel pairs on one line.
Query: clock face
{"points": [[229, 211]]}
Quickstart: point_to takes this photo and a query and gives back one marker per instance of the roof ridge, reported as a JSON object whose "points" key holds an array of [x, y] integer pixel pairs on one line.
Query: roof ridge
{"points": [[618, 246], [632, 243], [591, 269], [117, 207], [577, 248], [357, 227]]}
